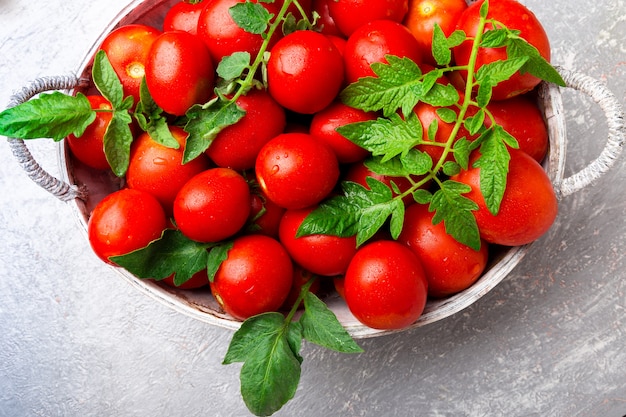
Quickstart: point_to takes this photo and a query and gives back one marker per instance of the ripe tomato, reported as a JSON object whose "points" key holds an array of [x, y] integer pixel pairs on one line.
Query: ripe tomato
{"points": [[372, 42], [422, 16], [128, 48], [124, 221], [159, 170], [528, 208], [305, 71], [213, 205], [385, 286], [179, 72], [183, 15], [325, 255], [325, 22], [265, 215], [295, 170], [300, 278], [223, 36], [449, 266], [324, 125], [198, 280], [255, 278], [89, 147], [520, 116], [349, 15], [237, 145], [513, 15]]}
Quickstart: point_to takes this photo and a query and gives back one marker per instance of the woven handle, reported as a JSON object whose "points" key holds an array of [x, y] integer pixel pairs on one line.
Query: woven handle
{"points": [[55, 186], [614, 113]]}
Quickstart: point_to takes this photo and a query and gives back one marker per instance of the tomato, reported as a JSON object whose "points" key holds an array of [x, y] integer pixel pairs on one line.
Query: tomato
{"points": [[124, 221], [349, 15], [385, 286], [237, 145], [213, 205], [179, 72], [183, 15], [89, 147], [520, 116], [358, 172], [325, 22], [324, 124], [198, 280], [371, 42], [255, 278], [128, 48], [265, 215], [325, 255], [422, 16], [515, 16], [305, 71], [295, 170], [528, 208], [449, 266], [223, 36], [159, 170], [300, 278]]}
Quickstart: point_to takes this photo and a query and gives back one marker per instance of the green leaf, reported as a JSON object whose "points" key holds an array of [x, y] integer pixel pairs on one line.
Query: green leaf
{"points": [[451, 168], [251, 17], [416, 162], [244, 340], [498, 71], [172, 253], [386, 137], [494, 167], [535, 64], [446, 115], [54, 115], [474, 123], [485, 90], [440, 48], [441, 95], [422, 196], [320, 326], [205, 122], [233, 66], [484, 9], [117, 140], [455, 210], [217, 255], [462, 149], [456, 38], [495, 38], [149, 117], [107, 81], [337, 216]]}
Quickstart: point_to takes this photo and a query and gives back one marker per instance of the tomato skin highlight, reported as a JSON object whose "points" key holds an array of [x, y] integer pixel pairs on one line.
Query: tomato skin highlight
{"points": [[183, 16], [529, 205], [385, 286], [213, 205], [255, 278], [124, 221]]}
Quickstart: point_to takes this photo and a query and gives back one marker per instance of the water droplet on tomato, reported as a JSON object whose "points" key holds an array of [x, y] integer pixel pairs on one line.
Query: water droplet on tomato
{"points": [[275, 169], [159, 161]]}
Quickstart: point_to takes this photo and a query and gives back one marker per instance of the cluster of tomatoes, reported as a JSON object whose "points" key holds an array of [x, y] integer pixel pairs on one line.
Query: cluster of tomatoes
{"points": [[260, 177]]}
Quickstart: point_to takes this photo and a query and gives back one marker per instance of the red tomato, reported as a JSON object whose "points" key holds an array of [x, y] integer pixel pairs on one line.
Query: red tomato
{"points": [[325, 255], [213, 205], [300, 278], [385, 286], [255, 278], [128, 48], [237, 145], [520, 116], [422, 16], [198, 280], [324, 125], [89, 147], [358, 173], [124, 221], [349, 15], [305, 71], [528, 208], [183, 15], [159, 170], [179, 72], [371, 42], [223, 36], [265, 215], [295, 170], [325, 22], [513, 15], [450, 266]]}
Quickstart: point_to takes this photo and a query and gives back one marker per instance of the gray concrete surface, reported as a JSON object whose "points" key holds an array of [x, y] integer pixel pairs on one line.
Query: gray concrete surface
{"points": [[76, 340]]}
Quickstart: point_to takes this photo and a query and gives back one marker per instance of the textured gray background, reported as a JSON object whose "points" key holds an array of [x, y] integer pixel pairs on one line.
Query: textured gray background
{"points": [[76, 340]]}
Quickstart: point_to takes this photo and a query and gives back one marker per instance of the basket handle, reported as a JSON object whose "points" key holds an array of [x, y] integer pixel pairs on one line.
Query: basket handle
{"points": [[614, 113], [58, 188]]}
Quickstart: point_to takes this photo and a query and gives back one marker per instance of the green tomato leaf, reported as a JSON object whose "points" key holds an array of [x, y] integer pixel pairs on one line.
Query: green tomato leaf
{"points": [[416, 162], [499, 71], [251, 17], [456, 38], [54, 115], [441, 95], [337, 216], [494, 167], [451, 168], [462, 149], [107, 81], [233, 66], [474, 123], [117, 140], [217, 255], [422, 196], [320, 326], [535, 64], [495, 38], [205, 122], [149, 117], [440, 47], [455, 210], [172, 253], [484, 9], [446, 115]]}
